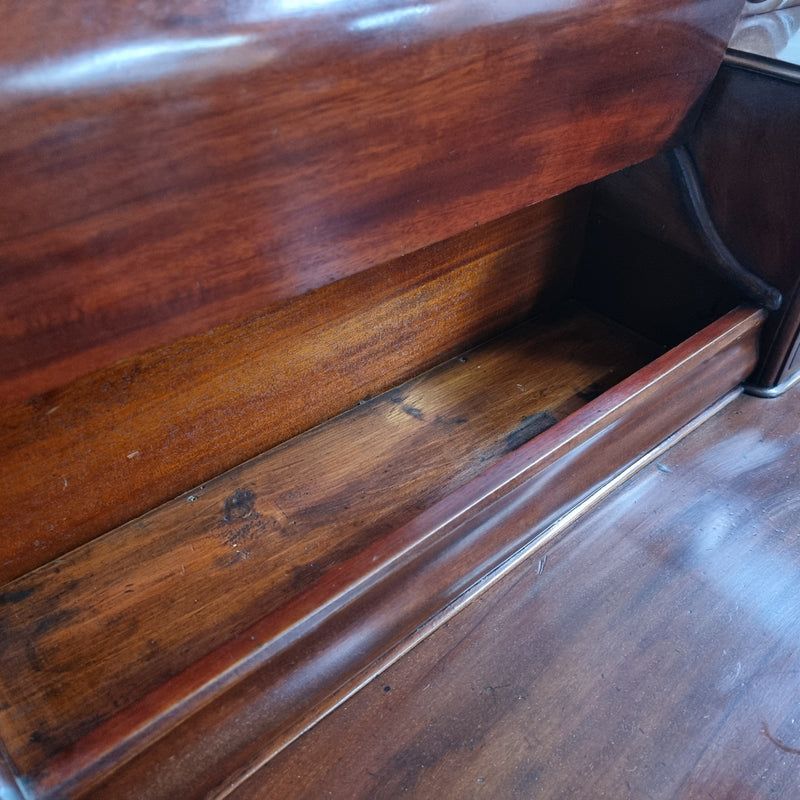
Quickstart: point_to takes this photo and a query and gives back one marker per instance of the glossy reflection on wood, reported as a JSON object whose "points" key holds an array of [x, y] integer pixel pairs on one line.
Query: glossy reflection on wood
{"points": [[164, 173], [231, 711], [151, 598], [650, 652]]}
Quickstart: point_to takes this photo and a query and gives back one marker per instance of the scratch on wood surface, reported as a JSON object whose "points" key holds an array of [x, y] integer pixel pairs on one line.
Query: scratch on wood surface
{"points": [[795, 751], [541, 565]]}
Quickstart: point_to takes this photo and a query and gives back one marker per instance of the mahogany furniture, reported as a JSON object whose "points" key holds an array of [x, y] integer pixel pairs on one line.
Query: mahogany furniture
{"points": [[321, 323]]}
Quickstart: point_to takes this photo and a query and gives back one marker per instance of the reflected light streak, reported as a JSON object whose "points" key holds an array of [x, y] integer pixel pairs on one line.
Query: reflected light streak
{"points": [[376, 14], [387, 19], [302, 6], [127, 63]]}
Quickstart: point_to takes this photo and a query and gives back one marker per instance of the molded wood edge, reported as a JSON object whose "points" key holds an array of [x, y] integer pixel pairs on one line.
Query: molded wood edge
{"points": [[9, 789], [246, 700]]}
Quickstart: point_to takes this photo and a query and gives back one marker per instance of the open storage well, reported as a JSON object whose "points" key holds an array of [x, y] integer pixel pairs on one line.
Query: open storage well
{"points": [[211, 630], [143, 605]]}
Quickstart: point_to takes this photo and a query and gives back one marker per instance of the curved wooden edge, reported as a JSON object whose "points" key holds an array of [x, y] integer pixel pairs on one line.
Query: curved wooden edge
{"points": [[771, 392], [233, 708], [217, 175], [9, 787], [763, 65]]}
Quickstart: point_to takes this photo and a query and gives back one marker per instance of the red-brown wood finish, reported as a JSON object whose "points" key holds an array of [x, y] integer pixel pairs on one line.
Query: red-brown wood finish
{"points": [[198, 734], [149, 599], [169, 169], [83, 459], [649, 653]]}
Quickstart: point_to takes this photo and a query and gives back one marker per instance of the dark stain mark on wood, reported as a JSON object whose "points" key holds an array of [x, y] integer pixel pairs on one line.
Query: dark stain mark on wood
{"points": [[15, 597], [36, 648], [529, 428], [240, 505], [591, 391], [440, 420], [795, 751], [304, 576], [55, 620], [399, 399]]}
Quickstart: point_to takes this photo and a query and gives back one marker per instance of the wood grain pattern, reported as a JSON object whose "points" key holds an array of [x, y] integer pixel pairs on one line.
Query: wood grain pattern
{"points": [[650, 652], [159, 593], [165, 173], [221, 718], [82, 460]]}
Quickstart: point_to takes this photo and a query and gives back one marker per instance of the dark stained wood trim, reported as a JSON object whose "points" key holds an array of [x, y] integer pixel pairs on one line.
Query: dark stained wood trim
{"points": [[762, 65], [744, 146], [229, 711]]}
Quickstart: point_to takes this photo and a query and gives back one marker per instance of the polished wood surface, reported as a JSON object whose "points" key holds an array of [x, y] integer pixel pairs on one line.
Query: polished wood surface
{"points": [[225, 223], [745, 145], [153, 597], [229, 712], [166, 172], [646, 266], [92, 455], [649, 652]]}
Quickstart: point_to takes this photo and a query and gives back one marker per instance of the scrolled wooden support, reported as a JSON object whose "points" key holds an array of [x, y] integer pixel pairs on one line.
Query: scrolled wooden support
{"points": [[725, 263]]}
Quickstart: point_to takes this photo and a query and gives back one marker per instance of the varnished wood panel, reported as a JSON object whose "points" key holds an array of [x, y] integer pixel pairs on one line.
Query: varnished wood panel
{"points": [[650, 652], [646, 265], [198, 734], [151, 598], [86, 458], [165, 173], [746, 147]]}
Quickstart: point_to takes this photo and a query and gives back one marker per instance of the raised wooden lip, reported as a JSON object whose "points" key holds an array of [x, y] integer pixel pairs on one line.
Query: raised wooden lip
{"points": [[762, 65], [445, 550]]}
